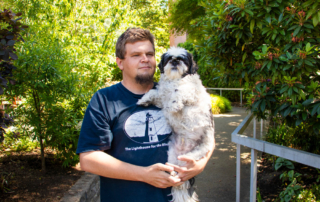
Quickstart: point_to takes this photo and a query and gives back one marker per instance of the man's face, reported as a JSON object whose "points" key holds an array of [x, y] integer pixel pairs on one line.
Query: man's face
{"points": [[139, 63]]}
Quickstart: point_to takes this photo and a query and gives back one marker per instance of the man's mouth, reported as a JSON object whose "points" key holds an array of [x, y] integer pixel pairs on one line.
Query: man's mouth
{"points": [[145, 67]]}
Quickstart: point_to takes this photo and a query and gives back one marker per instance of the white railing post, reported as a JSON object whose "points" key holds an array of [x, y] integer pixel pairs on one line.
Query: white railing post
{"points": [[253, 177], [238, 174]]}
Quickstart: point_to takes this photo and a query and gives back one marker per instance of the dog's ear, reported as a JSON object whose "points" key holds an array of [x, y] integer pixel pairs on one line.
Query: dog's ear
{"points": [[193, 68], [162, 63]]}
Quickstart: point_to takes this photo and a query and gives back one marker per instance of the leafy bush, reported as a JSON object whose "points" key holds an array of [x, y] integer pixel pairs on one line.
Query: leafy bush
{"points": [[17, 141], [294, 137], [220, 104], [10, 33], [48, 84]]}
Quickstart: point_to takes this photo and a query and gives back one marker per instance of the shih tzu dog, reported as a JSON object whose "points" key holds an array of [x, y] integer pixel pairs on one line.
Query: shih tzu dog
{"points": [[187, 108]]}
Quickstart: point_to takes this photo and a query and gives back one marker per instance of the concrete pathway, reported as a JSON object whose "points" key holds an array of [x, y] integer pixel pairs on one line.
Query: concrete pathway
{"points": [[217, 183]]}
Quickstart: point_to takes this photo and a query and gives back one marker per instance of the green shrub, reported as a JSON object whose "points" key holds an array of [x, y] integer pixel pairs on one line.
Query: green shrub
{"points": [[220, 104], [296, 137]]}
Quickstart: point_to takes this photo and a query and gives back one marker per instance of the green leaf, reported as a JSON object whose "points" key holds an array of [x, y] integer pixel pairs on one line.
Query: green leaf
{"points": [[252, 22], [256, 53], [308, 101], [288, 66], [280, 17], [287, 112], [314, 110], [269, 64], [293, 27], [308, 26], [244, 56], [282, 58], [287, 46], [315, 20], [285, 88], [263, 105], [308, 47], [290, 91], [295, 89], [264, 49], [304, 116], [249, 12], [11, 42], [296, 31], [308, 62], [264, 64]]}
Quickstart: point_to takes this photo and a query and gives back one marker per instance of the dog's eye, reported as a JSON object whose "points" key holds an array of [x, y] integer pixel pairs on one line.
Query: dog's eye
{"points": [[179, 58]]}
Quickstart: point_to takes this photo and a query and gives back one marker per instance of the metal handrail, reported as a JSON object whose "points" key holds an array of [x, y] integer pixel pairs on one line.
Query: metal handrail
{"points": [[267, 147], [240, 89]]}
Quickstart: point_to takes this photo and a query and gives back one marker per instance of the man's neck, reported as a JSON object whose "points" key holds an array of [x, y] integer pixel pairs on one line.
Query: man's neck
{"points": [[137, 88]]}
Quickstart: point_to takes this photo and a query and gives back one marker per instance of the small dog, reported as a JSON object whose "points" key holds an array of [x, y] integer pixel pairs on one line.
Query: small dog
{"points": [[187, 108]]}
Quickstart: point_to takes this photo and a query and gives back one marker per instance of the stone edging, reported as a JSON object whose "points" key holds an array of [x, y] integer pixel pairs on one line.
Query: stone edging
{"points": [[86, 189]]}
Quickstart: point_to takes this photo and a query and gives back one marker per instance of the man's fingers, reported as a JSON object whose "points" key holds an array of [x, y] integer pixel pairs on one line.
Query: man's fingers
{"points": [[163, 167], [185, 158], [174, 179]]}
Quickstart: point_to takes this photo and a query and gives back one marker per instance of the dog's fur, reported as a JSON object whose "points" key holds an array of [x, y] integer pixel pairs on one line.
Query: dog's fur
{"points": [[187, 108]]}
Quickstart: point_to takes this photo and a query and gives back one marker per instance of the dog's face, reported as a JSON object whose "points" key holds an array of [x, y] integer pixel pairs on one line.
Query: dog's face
{"points": [[177, 63]]}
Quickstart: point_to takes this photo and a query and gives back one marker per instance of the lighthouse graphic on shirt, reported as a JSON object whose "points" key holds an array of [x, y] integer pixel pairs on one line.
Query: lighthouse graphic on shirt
{"points": [[149, 126]]}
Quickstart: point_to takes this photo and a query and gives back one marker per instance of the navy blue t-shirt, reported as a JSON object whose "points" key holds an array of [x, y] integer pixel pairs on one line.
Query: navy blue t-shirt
{"points": [[114, 123]]}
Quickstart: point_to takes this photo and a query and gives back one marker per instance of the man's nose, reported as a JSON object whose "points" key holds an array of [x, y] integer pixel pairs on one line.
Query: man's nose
{"points": [[145, 58]]}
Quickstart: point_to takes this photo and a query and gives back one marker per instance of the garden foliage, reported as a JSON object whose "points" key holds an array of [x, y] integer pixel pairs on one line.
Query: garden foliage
{"points": [[69, 54], [10, 28], [272, 47]]}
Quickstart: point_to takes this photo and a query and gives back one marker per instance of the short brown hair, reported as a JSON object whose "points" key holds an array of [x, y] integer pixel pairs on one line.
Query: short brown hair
{"points": [[132, 35]]}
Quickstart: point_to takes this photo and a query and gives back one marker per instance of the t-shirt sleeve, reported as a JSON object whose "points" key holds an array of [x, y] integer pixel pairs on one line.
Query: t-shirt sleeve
{"points": [[95, 131]]}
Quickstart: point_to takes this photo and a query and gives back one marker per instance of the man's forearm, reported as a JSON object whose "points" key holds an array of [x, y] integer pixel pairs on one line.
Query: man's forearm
{"points": [[100, 163], [103, 164]]}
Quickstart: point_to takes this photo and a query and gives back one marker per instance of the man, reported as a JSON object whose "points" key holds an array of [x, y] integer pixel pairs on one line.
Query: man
{"points": [[127, 144]]}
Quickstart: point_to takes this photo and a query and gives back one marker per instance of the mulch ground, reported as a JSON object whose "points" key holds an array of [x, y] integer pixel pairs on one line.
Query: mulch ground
{"points": [[269, 181], [26, 182]]}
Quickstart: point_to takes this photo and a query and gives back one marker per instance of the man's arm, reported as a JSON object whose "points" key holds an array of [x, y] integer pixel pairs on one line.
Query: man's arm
{"points": [[100, 163], [192, 168]]}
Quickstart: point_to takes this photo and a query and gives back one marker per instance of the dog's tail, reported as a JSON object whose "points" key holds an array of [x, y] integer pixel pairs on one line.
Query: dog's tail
{"points": [[185, 192]]}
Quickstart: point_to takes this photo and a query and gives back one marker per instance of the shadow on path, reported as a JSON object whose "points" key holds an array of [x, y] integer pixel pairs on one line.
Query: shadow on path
{"points": [[217, 183]]}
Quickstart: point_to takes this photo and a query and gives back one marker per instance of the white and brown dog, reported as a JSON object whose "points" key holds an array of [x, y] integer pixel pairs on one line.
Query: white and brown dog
{"points": [[187, 108]]}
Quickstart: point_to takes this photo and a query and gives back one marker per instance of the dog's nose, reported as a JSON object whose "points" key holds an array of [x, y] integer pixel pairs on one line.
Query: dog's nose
{"points": [[174, 62]]}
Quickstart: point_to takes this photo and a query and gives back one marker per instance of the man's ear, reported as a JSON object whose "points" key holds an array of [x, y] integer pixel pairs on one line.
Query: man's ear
{"points": [[119, 63], [161, 64]]}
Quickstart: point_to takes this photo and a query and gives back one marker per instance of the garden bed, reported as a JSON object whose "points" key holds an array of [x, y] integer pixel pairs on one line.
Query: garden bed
{"points": [[270, 184], [22, 171]]}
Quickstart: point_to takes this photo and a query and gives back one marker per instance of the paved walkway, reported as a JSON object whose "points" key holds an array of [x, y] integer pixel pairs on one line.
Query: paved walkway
{"points": [[217, 183]]}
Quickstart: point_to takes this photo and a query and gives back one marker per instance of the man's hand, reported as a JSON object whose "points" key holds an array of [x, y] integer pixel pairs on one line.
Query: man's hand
{"points": [[192, 167], [157, 176]]}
